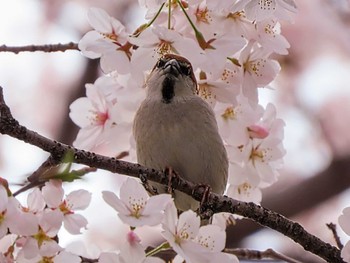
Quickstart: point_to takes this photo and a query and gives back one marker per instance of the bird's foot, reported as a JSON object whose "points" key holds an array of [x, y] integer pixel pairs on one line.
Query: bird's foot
{"points": [[149, 188], [172, 176], [204, 211]]}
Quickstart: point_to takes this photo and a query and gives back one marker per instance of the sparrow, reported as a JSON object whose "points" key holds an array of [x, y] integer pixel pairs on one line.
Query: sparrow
{"points": [[176, 128]]}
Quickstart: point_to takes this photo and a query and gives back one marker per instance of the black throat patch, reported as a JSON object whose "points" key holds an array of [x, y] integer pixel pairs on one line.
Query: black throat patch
{"points": [[168, 91]]}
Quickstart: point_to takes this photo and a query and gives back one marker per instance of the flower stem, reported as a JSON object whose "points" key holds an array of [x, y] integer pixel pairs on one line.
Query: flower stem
{"points": [[169, 14], [156, 16], [199, 36], [163, 246], [140, 29], [188, 17]]}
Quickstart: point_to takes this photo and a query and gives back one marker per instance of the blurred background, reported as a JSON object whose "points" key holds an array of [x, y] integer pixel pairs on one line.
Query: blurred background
{"points": [[312, 95]]}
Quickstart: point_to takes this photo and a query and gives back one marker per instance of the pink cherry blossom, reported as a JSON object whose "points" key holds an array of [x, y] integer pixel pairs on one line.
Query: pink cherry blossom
{"points": [[135, 207]]}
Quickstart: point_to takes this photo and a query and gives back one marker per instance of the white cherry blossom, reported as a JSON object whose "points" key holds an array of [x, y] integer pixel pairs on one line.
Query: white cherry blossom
{"points": [[130, 252], [263, 156], [269, 36], [14, 217], [244, 192], [214, 91], [76, 200], [99, 114], [265, 9], [234, 120], [344, 220], [156, 41], [191, 242], [135, 207], [259, 70], [217, 51], [42, 243], [108, 41]]}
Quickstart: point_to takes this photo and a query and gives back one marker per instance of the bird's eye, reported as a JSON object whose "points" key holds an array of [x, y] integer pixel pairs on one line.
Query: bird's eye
{"points": [[160, 63], [186, 69]]}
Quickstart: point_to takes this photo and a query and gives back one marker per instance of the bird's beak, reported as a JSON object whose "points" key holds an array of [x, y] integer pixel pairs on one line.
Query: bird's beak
{"points": [[172, 67]]}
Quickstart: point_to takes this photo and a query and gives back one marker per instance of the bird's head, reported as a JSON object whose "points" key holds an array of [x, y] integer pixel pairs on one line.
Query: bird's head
{"points": [[172, 78]]}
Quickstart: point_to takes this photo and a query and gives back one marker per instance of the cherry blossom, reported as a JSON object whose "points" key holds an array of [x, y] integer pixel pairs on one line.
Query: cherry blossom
{"points": [[4, 216], [60, 257], [76, 200], [264, 9], [269, 36], [152, 6], [130, 252], [231, 17], [234, 120], [244, 192], [191, 242], [263, 157], [219, 48], [98, 115], [42, 243], [216, 90], [344, 220], [108, 41], [259, 70], [135, 207], [14, 217], [156, 41]]}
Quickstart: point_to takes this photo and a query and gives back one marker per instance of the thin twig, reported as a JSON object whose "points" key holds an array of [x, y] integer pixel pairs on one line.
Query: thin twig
{"points": [[43, 48], [258, 255], [216, 203], [333, 228]]}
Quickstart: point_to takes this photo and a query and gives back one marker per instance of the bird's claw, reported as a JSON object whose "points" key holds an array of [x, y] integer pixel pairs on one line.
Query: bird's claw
{"points": [[172, 176]]}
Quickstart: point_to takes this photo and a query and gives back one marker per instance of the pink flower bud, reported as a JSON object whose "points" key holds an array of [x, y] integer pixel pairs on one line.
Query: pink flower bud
{"points": [[256, 131]]}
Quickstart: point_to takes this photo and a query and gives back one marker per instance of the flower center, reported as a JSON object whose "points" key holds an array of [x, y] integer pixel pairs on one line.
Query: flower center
{"points": [[164, 47], [266, 4], [229, 114], [100, 118], [202, 15], [64, 208], [204, 91], [244, 188], [41, 237], [136, 206], [236, 15]]}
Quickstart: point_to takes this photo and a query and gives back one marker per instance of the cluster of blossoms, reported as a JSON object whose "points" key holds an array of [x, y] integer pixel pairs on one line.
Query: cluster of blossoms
{"points": [[229, 43], [29, 233], [191, 242]]}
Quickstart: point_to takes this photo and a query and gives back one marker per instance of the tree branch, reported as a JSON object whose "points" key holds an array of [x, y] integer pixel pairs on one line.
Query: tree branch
{"points": [[216, 203], [43, 48], [259, 255]]}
